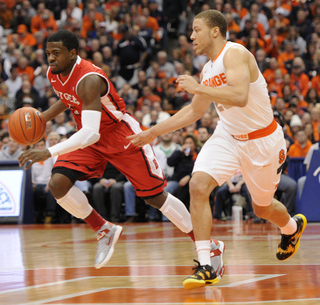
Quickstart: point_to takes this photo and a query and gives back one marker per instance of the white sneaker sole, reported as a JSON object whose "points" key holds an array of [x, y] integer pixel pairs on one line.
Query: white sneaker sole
{"points": [[115, 239]]}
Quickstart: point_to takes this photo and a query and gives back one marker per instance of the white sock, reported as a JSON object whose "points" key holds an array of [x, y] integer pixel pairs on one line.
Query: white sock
{"points": [[177, 213], [203, 249], [76, 203], [290, 228]]}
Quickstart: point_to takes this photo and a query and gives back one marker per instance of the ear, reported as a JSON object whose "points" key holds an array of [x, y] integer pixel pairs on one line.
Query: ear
{"points": [[215, 32], [73, 53]]}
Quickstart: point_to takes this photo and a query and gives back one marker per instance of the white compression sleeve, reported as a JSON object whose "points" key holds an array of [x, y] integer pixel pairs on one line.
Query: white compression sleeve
{"points": [[87, 135], [177, 213], [76, 203]]}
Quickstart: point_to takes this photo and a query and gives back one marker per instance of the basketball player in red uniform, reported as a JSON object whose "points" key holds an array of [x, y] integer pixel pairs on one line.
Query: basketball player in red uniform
{"points": [[103, 125]]}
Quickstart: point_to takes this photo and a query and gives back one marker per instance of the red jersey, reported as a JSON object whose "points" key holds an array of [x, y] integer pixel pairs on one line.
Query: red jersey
{"points": [[113, 106]]}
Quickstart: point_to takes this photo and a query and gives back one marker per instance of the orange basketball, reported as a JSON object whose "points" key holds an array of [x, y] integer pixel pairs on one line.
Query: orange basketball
{"points": [[27, 126]]}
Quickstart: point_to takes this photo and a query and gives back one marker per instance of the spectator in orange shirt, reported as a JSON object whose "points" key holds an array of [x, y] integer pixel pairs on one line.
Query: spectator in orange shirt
{"points": [[285, 58], [315, 121], [232, 25], [89, 18], [269, 73], [239, 9], [6, 15], [301, 146], [298, 78], [312, 96], [43, 21], [280, 22], [277, 85], [24, 37], [233, 38], [315, 81], [25, 69], [273, 42], [147, 95]]}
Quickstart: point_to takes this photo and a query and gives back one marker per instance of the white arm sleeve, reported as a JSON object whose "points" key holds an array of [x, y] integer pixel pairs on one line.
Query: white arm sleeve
{"points": [[87, 135]]}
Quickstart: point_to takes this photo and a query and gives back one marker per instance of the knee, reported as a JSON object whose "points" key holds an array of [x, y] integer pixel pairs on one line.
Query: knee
{"points": [[59, 187], [199, 189]]}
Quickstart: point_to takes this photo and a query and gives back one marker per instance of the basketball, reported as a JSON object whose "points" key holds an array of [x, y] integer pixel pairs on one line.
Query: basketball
{"points": [[27, 126]]}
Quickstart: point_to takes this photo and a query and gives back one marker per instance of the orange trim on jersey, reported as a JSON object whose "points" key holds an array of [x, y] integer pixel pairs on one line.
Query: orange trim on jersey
{"points": [[258, 133], [220, 52]]}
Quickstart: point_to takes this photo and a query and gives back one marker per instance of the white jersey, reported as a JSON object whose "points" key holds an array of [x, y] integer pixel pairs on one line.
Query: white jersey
{"points": [[257, 114]]}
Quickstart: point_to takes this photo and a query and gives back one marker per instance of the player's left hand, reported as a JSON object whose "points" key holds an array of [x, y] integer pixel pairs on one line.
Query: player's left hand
{"points": [[142, 138], [187, 83], [33, 155]]}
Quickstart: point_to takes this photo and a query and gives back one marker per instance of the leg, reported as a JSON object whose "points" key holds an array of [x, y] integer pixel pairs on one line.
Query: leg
{"points": [[288, 187], [129, 199], [116, 199], [301, 182], [76, 203], [221, 197], [201, 185], [98, 199]]}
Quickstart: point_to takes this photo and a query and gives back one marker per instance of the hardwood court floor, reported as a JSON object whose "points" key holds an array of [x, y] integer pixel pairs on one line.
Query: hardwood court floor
{"points": [[53, 264]]}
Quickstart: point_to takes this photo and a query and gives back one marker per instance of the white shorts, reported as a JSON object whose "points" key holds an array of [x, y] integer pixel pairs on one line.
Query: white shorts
{"points": [[259, 160]]}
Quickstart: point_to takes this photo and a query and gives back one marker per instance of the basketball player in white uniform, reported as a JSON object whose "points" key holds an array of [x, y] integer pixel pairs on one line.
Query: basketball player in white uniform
{"points": [[247, 137]]}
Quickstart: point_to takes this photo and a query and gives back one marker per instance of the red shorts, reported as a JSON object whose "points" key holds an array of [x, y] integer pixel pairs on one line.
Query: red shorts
{"points": [[139, 165]]}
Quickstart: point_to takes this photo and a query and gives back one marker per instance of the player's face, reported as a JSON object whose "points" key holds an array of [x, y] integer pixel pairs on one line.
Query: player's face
{"points": [[60, 59], [201, 37]]}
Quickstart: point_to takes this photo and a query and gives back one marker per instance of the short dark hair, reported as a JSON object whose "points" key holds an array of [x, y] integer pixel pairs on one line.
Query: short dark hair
{"points": [[214, 18], [68, 39]]}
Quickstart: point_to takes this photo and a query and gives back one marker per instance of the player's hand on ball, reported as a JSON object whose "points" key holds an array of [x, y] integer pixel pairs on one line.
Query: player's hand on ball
{"points": [[33, 155]]}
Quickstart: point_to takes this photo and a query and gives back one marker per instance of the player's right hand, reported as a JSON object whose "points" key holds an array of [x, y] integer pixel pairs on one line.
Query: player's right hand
{"points": [[142, 138]]}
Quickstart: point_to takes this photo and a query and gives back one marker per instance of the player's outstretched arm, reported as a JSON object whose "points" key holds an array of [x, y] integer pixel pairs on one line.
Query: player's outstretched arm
{"points": [[182, 118]]}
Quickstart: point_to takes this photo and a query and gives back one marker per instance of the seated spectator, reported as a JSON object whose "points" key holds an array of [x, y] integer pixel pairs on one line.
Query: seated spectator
{"points": [[147, 94], [173, 98], [89, 18], [75, 12], [312, 96], [298, 77], [24, 69], [269, 73], [280, 21], [203, 134], [10, 151], [44, 21], [27, 90], [41, 81], [306, 162], [161, 115], [5, 99], [234, 185], [182, 161], [25, 38], [5, 14], [315, 120], [273, 42], [60, 124], [286, 56], [301, 146]]}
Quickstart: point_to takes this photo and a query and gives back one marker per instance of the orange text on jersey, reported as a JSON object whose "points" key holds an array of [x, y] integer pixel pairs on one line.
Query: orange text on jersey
{"points": [[216, 81]]}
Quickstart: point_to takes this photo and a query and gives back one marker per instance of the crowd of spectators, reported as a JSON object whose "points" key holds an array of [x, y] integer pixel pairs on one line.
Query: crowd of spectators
{"points": [[144, 45]]}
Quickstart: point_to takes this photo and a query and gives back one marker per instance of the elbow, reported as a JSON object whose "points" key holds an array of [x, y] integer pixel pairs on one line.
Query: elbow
{"points": [[242, 100]]}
